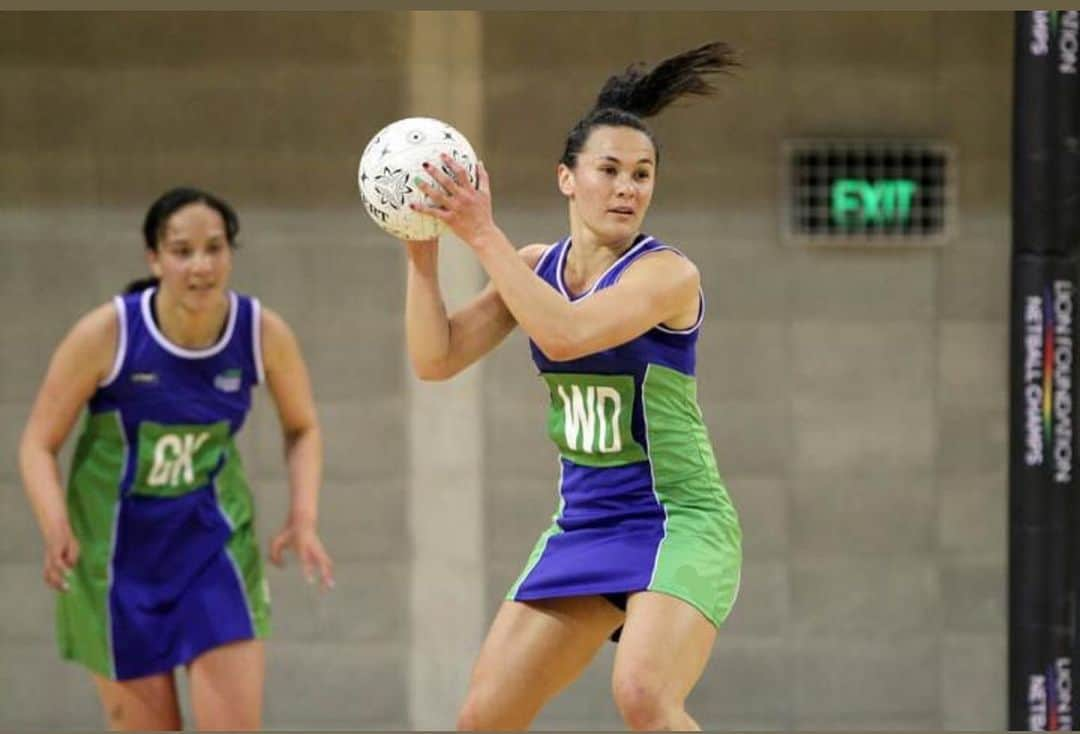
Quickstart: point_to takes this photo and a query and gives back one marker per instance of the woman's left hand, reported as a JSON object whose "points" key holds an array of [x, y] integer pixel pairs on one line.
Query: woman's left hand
{"points": [[304, 540], [464, 208]]}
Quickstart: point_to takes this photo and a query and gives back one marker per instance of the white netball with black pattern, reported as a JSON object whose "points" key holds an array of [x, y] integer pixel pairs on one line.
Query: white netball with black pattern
{"points": [[392, 162]]}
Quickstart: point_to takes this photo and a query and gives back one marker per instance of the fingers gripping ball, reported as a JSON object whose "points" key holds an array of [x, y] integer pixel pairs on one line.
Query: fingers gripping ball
{"points": [[390, 165]]}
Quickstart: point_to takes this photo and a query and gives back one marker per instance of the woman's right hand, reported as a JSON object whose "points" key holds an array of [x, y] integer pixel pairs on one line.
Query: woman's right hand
{"points": [[61, 555]]}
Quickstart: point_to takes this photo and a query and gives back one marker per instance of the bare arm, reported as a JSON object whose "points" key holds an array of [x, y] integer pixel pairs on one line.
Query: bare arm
{"points": [[83, 359], [290, 387], [658, 288], [655, 289], [439, 345]]}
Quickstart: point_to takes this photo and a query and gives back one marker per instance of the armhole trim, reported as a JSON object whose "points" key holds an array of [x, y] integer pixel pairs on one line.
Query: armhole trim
{"points": [[697, 324], [547, 251], [256, 340], [701, 295], [121, 342]]}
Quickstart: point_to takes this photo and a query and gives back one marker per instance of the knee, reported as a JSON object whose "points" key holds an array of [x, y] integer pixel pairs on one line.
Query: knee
{"points": [[640, 699], [488, 707], [471, 714], [478, 712]]}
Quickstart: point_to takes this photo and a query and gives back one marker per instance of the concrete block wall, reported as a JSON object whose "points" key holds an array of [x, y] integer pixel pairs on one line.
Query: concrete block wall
{"points": [[856, 399]]}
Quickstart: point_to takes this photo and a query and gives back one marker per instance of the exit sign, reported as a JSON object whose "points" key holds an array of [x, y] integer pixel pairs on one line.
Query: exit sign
{"points": [[868, 192]]}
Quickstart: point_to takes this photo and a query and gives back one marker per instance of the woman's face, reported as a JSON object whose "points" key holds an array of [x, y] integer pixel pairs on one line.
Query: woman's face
{"points": [[611, 184], [193, 258]]}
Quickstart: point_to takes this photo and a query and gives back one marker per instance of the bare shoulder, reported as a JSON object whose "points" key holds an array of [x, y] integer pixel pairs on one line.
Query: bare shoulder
{"points": [[668, 264], [97, 330], [273, 322], [277, 335], [93, 340], [531, 254], [100, 322]]}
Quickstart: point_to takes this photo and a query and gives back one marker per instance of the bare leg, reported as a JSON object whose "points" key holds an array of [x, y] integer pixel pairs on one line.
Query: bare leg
{"points": [[532, 651], [140, 704], [662, 653], [227, 687]]}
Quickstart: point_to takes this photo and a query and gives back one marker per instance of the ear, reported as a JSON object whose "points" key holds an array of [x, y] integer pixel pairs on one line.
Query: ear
{"points": [[566, 180], [153, 262]]}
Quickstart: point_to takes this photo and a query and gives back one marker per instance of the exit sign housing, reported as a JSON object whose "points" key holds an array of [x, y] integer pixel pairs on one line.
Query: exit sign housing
{"points": [[868, 192]]}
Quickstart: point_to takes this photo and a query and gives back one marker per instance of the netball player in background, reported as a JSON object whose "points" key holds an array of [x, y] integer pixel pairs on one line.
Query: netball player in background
{"points": [[153, 549], [645, 546]]}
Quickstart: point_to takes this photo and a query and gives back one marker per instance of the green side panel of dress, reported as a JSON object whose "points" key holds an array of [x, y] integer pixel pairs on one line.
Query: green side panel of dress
{"points": [[235, 499], [700, 557], [82, 613]]}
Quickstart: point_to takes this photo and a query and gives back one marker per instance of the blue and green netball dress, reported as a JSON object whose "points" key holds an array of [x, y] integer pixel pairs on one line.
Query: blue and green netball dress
{"points": [[641, 502], [169, 567]]}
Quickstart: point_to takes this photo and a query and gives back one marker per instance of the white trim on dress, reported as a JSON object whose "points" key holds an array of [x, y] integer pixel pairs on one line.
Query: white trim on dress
{"points": [[256, 340], [179, 351], [121, 342], [592, 289]]}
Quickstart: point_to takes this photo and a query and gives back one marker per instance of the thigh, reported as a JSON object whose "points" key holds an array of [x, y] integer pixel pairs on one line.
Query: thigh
{"points": [[534, 649], [664, 640], [140, 704], [227, 686]]}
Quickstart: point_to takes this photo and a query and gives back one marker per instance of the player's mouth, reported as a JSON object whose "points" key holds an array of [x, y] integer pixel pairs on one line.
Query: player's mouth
{"points": [[627, 211]]}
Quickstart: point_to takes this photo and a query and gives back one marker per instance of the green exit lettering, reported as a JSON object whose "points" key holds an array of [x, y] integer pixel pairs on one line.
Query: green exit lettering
{"points": [[886, 201]]}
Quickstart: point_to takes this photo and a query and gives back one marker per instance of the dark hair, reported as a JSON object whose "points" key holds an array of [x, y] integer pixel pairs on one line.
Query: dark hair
{"points": [[165, 206], [626, 99], [140, 284]]}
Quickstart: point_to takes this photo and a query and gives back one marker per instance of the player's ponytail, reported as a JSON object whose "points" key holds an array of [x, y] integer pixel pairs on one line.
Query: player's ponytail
{"points": [[646, 92], [140, 284], [626, 99]]}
